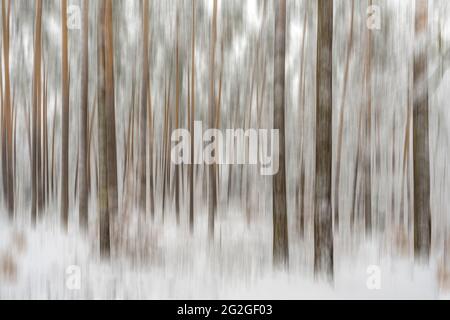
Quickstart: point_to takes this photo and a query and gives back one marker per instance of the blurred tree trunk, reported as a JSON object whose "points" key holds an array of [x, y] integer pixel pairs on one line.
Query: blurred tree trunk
{"points": [[191, 129], [151, 177], [7, 115], [83, 166], [368, 134], [110, 111], [143, 119], [178, 80], [341, 122], [36, 86], [102, 138], [280, 230], [323, 232], [422, 214], [65, 120], [300, 185], [212, 194]]}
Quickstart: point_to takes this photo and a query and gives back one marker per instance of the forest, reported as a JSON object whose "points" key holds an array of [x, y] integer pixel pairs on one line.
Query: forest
{"points": [[224, 149]]}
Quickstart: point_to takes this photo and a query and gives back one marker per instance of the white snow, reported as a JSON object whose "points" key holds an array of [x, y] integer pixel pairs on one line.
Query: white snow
{"points": [[180, 266]]}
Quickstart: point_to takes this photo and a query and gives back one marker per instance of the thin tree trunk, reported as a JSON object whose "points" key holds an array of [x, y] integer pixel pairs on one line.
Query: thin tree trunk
{"points": [[341, 123], [143, 120], [36, 83], [7, 113], [368, 143], [212, 203], [191, 129], [102, 138], [300, 188], [65, 120], [280, 230], [83, 160], [178, 80], [110, 111]]}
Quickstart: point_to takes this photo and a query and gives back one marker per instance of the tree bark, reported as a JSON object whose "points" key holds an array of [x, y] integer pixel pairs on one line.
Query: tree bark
{"points": [[7, 115], [102, 138], [191, 129], [323, 232], [212, 203], [110, 111], [65, 120], [422, 214], [280, 231], [143, 119], [83, 161]]}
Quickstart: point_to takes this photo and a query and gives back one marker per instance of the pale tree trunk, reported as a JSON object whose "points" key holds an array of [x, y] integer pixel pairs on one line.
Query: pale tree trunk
{"points": [[280, 231], [368, 133], [83, 161], [212, 194], [191, 129], [178, 80], [110, 111], [65, 120], [422, 214], [341, 122], [300, 187], [102, 139], [35, 102], [143, 119], [323, 231], [7, 114]]}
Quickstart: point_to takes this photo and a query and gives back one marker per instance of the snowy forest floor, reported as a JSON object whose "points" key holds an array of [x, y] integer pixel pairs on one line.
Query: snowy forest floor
{"points": [[172, 264]]}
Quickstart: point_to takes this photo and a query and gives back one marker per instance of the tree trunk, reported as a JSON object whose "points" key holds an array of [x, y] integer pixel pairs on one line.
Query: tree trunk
{"points": [[178, 81], [7, 115], [323, 232], [110, 111], [212, 203], [102, 139], [191, 129], [280, 231], [36, 83], [143, 119], [422, 214], [368, 143], [83, 161], [65, 120], [341, 123]]}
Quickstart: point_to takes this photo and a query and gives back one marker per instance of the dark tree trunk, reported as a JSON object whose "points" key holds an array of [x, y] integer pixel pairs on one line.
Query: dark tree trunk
{"points": [[280, 231], [323, 231], [422, 214], [102, 139], [83, 161]]}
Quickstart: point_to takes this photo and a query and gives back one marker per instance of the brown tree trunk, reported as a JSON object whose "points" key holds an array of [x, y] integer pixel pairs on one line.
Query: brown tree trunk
{"points": [[143, 120], [102, 138], [110, 111], [83, 161], [280, 230], [422, 214], [7, 115], [323, 231], [36, 85]]}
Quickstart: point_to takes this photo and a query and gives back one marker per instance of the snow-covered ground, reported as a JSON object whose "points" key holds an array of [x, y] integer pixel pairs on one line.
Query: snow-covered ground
{"points": [[175, 265]]}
